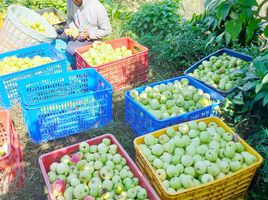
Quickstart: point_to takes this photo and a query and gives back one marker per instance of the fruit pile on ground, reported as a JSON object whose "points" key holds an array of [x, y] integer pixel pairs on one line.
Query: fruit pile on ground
{"points": [[33, 25], [51, 17], [223, 72], [195, 154], [96, 171], [171, 99], [14, 64], [3, 150], [102, 53]]}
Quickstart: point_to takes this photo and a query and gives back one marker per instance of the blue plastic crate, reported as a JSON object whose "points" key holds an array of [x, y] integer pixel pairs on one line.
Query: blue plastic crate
{"points": [[8, 83], [63, 104], [218, 53], [61, 45], [143, 122]]}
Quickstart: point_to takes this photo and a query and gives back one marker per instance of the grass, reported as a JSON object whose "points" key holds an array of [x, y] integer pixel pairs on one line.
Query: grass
{"points": [[34, 187]]}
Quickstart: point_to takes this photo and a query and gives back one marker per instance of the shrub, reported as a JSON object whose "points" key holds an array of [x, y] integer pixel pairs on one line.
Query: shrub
{"points": [[258, 189], [232, 21], [157, 18], [179, 50]]}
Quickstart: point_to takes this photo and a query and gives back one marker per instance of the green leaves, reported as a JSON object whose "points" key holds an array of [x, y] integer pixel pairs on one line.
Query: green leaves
{"points": [[234, 22], [248, 3], [253, 25], [157, 18], [266, 31], [265, 79], [234, 28], [223, 10]]}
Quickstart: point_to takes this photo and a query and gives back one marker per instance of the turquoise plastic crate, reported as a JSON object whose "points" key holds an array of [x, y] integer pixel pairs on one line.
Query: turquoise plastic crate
{"points": [[143, 122], [63, 104], [9, 83], [61, 45]]}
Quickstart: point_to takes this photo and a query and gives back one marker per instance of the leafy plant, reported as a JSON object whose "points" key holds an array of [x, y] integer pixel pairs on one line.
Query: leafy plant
{"points": [[39, 4], [251, 100], [179, 50], [231, 21], [118, 14], [157, 18], [259, 187]]}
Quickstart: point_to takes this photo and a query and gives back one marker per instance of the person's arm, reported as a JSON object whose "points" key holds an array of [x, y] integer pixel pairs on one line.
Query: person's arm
{"points": [[70, 14], [104, 26]]}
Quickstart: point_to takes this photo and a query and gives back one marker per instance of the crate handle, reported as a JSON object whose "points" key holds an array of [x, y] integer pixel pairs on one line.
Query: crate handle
{"points": [[138, 48]]}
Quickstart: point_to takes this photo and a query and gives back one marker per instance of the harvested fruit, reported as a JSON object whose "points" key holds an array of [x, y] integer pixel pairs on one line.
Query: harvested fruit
{"points": [[13, 64], [95, 172], [3, 150], [193, 154], [223, 72], [51, 17], [37, 26], [101, 53], [174, 98], [72, 32]]}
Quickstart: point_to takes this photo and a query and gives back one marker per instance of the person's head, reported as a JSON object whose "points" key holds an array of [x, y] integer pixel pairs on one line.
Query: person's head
{"points": [[78, 2]]}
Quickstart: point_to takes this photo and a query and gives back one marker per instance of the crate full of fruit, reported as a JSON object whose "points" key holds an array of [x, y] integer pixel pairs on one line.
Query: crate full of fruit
{"points": [[53, 16], [11, 157], [98, 168], [24, 63], [122, 61], [221, 71], [162, 104], [201, 159], [59, 105]]}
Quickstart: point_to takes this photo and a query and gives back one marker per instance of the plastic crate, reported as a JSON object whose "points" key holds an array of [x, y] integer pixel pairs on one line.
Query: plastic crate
{"points": [[57, 13], [8, 83], [233, 186], [63, 104], [11, 165], [218, 53], [123, 72], [142, 121], [61, 45], [47, 159]]}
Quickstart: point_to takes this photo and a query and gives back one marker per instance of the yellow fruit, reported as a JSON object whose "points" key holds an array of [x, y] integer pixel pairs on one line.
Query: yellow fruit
{"points": [[101, 53], [14, 64], [37, 26], [51, 17], [73, 32]]}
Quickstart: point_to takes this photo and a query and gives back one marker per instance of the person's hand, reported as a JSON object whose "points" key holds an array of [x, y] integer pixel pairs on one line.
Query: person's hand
{"points": [[84, 34]]}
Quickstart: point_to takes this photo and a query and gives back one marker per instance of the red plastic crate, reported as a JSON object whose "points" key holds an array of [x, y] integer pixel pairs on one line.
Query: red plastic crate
{"points": [[5, 135], [47, 159], [11, 165], [123, 72]]}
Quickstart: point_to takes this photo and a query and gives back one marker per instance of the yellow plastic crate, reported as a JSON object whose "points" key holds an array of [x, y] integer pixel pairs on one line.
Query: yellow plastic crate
{"points": [[233, 186]]}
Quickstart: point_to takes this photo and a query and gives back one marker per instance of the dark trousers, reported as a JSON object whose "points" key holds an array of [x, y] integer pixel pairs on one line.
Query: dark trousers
{"points": [[72, 45]]}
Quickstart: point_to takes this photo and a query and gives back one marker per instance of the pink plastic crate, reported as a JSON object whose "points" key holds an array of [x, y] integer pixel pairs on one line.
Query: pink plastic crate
{"points": [[47, 159]]}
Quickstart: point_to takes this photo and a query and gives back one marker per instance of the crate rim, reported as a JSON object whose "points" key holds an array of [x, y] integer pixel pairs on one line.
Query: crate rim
{"points": [[77, 52], [45, 45], [170, 80], [75, 96], [107, 135], [258, 163], [221, 51]]}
